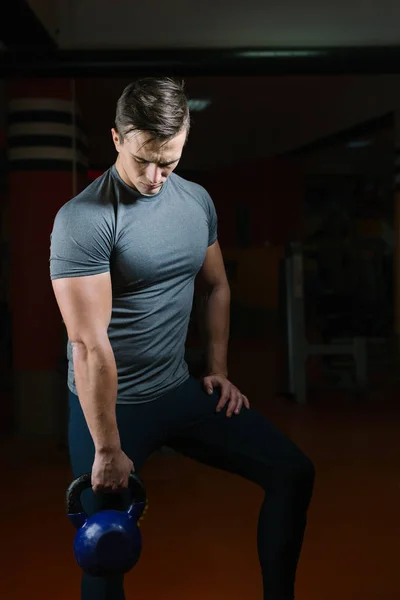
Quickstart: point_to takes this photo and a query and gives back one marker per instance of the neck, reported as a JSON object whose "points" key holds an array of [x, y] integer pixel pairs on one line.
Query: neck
{"points": [[122, 173]]}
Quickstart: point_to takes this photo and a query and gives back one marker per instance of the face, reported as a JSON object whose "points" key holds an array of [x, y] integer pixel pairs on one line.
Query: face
{"points": [[145, 164]]}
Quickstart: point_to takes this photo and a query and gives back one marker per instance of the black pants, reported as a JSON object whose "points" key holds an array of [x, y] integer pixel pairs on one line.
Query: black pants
{"points": [[246, 444]]}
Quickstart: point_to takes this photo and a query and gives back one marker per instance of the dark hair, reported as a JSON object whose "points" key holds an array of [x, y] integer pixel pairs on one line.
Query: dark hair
{"points": [[158, 106]]}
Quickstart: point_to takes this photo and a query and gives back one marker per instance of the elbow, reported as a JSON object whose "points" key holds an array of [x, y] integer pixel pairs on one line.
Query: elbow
{"points": [[88, 343], [77, 344], [221, 288], [90, 352]]}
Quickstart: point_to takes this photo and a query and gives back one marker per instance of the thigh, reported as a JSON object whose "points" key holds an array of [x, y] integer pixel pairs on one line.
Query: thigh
{"points": [[139, 433], [247, 444]]}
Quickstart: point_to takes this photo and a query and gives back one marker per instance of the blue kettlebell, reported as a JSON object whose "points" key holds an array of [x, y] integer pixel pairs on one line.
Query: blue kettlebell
{"points": [[108, 542]]}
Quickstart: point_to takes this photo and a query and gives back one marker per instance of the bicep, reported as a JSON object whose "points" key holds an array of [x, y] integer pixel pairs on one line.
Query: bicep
{"points": [[85, 304], [213, 272]]}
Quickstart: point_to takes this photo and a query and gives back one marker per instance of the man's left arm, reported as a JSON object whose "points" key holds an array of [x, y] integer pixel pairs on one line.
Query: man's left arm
{"points": [[217, 323]]}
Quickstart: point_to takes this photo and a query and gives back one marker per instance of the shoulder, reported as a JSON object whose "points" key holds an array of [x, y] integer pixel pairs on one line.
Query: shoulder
{"points": [[91, 214], [83, 234], [190, 187], [203, 199], [94, 202], [194, 190]]}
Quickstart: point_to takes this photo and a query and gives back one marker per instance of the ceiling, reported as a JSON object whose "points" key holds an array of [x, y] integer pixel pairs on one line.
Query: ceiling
{"points": [[227, 23], [370, 154], [250, 117]]}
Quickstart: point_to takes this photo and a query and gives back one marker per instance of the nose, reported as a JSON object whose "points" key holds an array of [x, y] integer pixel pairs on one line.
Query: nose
{"points": [[154, 174]]}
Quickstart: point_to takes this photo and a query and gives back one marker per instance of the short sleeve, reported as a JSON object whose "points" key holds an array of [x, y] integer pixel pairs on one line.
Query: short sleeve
{"points": [[81, 241], [212, 220]]}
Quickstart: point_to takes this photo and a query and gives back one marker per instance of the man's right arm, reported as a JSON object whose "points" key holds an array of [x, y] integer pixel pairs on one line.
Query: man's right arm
{"points": [[85, 304]]}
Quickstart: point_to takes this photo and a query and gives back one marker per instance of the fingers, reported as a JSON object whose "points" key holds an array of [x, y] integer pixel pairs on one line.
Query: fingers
{"points": [[99, 485], [110, 488], [208, 385], [110, 473], [235, 404], [246, 402], [225, 395], [229, 395]]}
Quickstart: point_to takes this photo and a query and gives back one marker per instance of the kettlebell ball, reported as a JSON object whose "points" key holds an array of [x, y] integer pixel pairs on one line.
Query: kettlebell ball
{"points": [[109, 542]]}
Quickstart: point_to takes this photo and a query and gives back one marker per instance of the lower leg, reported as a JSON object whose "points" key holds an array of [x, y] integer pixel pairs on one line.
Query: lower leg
{"points": [[141, 432], [281, 528], [93, 588]]}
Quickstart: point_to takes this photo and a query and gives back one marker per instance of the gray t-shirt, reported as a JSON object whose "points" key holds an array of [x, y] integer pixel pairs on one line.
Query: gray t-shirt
{"points": [[153, 248]]}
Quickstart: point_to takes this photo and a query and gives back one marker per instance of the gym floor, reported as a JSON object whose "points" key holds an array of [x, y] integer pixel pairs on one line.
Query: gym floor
{"points": [[199, 533]]}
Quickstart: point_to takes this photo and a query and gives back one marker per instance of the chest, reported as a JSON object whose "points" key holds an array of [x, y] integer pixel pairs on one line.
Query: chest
{"points": [[158, 243]]}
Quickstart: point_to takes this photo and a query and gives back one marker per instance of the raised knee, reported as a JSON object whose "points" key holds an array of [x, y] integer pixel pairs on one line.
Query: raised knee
{"points": [[294, 473], [306, 469], [299, 471]]}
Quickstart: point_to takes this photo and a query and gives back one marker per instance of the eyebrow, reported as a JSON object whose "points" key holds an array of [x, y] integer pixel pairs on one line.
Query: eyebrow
{"points": [[165, 164]]}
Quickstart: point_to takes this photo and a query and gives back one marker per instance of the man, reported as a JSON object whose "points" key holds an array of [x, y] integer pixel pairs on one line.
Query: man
{"points": [[124, 256]]}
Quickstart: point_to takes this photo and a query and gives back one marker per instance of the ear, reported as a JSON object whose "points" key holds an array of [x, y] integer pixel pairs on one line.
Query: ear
{"points": [[116, 139]]}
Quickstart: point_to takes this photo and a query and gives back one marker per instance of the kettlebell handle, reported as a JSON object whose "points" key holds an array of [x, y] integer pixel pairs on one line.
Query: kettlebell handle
{"points": [[75, 489]]}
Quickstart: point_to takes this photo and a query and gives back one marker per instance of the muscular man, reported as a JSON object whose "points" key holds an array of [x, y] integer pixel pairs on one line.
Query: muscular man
{"points": [[124, 256]]}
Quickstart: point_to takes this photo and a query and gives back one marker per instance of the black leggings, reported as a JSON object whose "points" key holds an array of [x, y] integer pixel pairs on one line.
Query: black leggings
{"points": [[246, 444]]}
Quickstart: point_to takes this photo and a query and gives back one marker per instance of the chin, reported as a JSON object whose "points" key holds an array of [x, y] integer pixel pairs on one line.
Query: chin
{"points": [[146, 192]]}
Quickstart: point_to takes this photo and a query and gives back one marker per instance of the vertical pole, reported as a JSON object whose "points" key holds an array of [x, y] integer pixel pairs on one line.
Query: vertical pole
{"points": [[396, 207], [296, 339], [360, 359]]}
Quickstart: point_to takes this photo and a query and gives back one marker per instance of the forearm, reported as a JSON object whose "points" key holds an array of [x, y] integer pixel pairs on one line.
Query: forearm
{"points": [[217, 326], [97, 383]]}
